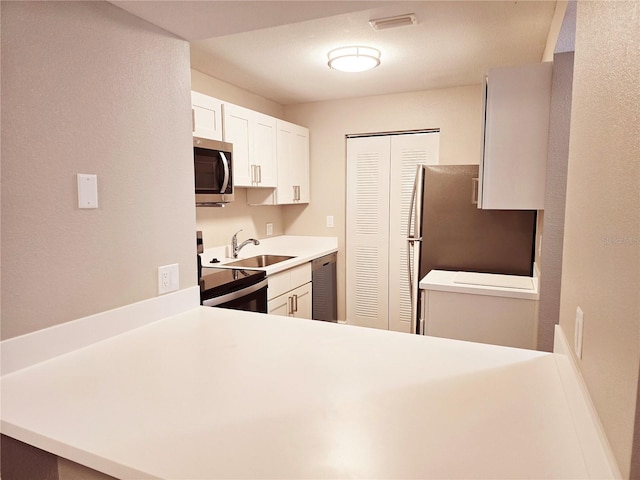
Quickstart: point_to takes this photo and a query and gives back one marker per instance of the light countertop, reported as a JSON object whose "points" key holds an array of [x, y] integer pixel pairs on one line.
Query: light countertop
{"points": [[302, 248], [213, 393], [489, 284]]}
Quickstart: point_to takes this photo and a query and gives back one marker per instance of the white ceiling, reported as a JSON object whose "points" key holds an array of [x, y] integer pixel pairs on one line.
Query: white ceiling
{"points": [[278, 49]]}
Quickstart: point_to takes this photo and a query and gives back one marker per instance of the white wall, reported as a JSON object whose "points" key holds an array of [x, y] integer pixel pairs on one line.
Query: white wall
{"points": [[456, 111], [601, 260], [89, 88]]}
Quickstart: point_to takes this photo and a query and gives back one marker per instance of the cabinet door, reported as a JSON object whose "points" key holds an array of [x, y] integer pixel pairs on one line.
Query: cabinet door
{"points": [[300, 164], [264, 150], [295, 303], [516, 129], [293, 163], [279, 306], [302, 301], [511, 322], [206, 116], [237, 130]]}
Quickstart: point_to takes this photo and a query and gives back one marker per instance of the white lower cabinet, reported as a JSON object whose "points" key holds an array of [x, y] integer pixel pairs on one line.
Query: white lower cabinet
{"points": [[510, 322], [296, 303], [289, 292]]}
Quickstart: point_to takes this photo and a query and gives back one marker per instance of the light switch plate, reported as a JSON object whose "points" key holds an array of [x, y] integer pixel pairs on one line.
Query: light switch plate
{"points": [[329, 221], [87, 190], [269, 229]]}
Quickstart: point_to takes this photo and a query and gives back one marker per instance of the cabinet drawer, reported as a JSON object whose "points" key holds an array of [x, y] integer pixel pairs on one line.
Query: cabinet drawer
{"points": [[300, 275], [283, 282]]}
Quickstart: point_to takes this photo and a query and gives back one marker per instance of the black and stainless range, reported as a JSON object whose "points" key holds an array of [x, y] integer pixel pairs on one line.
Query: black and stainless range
{"points": [[235, 289]]}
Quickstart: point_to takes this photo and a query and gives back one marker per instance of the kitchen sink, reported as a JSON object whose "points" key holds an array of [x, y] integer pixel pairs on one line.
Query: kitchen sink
{"points": [[259, 261]]}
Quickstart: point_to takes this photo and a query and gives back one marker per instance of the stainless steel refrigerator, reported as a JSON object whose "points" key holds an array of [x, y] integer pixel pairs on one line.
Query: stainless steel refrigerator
{"points": [[447, 231]]}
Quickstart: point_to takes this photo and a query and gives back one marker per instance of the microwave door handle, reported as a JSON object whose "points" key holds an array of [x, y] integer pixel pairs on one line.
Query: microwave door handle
{"points": [[225, 165]]}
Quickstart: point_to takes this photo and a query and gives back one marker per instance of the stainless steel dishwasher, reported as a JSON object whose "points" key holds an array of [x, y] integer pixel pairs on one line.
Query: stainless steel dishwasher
{"points": [[324, 293]]}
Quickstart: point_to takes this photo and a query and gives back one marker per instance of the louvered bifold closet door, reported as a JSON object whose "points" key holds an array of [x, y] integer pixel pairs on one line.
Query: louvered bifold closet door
{"points": [[367, 231], [407, 151]]}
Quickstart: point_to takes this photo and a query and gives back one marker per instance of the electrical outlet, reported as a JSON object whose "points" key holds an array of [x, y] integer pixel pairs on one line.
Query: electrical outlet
{"points": [[269, 229], [168, 278], [330, 221], [578, 331]]}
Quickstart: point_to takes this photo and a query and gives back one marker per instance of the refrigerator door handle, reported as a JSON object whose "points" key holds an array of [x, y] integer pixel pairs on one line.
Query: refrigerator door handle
{"points": [[414, 246], [414, 219], [474, 190]]}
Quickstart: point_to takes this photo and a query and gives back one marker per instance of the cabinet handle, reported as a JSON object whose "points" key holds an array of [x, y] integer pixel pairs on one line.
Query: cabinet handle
{"points": [[253, 174], [290, 305], [295, 303], [259, 173], [474, 190]]}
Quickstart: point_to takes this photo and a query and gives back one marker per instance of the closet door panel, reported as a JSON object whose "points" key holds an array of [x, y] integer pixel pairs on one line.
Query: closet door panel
{"points": [[367, 231], [407, 151]]}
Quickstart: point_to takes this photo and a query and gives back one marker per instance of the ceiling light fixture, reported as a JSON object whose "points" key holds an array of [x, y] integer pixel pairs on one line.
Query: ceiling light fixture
{"points": [[393, 22], [354, 59]]}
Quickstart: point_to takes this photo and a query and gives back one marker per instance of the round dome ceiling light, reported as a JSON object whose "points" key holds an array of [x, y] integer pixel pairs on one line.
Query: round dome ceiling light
{"points": [[354, 59]]}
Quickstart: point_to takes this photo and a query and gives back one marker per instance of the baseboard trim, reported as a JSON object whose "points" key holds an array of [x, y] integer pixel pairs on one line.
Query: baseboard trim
{"points": [[597, 453]]}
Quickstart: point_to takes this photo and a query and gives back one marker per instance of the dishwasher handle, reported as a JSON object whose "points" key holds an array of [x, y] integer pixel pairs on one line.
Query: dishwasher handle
{"points": [[324, 261]]}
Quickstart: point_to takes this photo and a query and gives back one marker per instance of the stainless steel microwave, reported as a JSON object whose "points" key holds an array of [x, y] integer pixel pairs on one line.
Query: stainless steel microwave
{"points": [[213, 170]]}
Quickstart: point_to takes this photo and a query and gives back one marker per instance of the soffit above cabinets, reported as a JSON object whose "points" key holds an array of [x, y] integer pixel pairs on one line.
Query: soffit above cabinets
{"points": [[278, 50]]}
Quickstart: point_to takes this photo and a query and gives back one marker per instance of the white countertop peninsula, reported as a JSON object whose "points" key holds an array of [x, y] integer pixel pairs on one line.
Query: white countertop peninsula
{"points": [[302, 248], [213, 393]]}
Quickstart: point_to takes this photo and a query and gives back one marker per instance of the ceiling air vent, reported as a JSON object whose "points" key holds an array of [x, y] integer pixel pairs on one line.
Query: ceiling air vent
{"points": [[393, 22]]}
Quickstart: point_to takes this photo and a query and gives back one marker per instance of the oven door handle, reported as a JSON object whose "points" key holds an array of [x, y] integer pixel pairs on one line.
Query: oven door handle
{"points": [[213, 302]]}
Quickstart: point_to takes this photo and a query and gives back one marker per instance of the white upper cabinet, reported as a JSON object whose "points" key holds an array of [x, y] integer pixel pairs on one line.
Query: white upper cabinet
{"points": [[515, 133], [293, 163], [206, 116], [265, 149], [253, 136]]}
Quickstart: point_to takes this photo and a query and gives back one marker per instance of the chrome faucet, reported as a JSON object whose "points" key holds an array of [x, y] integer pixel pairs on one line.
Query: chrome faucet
{"points": [[235, 248]]}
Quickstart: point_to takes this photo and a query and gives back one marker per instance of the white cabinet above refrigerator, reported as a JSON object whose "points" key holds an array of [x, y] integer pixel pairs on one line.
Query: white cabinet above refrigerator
{"points": [[515, 133]]}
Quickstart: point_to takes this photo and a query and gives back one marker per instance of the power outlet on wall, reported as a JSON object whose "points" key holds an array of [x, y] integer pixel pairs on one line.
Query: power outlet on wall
{"points": [[269, 229], [578, 331], [168, 278]]}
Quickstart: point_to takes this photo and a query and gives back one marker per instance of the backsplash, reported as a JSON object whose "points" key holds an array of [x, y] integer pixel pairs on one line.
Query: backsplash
{"points": [[218, 224]]}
